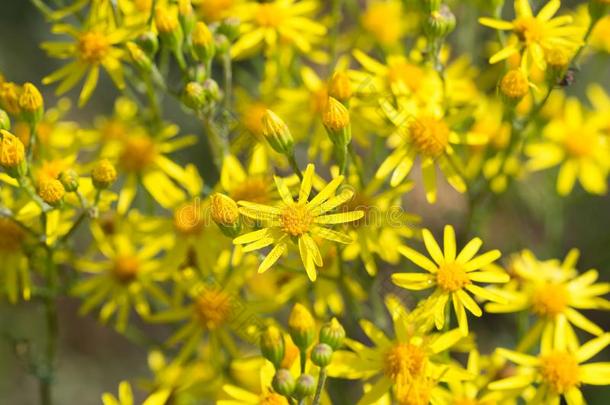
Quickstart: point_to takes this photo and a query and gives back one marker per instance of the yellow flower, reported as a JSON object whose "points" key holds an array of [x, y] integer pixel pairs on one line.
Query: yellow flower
{"points": [[96, 44], [385, 21], [558, 371], [413, 354], [425, 134], [15, 276], [578, 144], [452, 276], [125, 396], [299, 221], [553, 291], [127, 277], [277, 23], [536, 34]]}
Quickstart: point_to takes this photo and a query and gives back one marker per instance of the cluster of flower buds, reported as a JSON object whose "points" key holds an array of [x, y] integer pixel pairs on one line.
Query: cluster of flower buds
{"points": [[301, 332]]}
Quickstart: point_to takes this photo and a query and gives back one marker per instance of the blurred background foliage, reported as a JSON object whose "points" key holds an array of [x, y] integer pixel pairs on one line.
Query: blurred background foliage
{"points": [[93, 359]]}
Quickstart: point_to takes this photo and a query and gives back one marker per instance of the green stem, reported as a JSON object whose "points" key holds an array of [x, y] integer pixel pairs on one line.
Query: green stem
{"points": [[303, 356], [295, 166], [52, 326], [321, 381]]}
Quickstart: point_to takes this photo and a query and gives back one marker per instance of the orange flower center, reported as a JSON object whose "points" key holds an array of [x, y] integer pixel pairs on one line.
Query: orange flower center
{"points": [[138, 153], [296, 219], [126, 268], [429, 135], [560, 371], [580, 144], [452, 277], [404, 360], [93, 47], [550, 299], [213, 308]]}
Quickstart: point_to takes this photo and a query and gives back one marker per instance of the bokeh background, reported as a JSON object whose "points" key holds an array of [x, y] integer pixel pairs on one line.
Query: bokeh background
{"points": [[93, 359]]}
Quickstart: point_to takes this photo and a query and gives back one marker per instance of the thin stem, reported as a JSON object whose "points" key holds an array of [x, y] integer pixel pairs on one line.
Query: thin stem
{"points": [[228, 80], [295, 166], [303, 356], [52, 326], [321, 381]]}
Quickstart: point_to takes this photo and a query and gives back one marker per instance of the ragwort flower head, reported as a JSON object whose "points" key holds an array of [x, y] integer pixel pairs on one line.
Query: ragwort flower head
{"points": [[298, 221]]}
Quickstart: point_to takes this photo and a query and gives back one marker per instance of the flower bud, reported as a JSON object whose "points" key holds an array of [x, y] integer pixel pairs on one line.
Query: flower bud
{"points": [[283, 382], [51, 191], [340, 86], [148, 42], [193, 96], [333, 334], [69, 179], [9, 97], [103, 174], [514, 86], [139, 57], [557, 61], [12, 154], [305, 387], [321, 355], [5, 121], [335, 118], [222, 43], [31, 104], [225, 213], [276, 132], [186, 16], [439, 23], [272, 345], [169, 28], [229, 28], [301, 326], [211, 89], [203, 42]]}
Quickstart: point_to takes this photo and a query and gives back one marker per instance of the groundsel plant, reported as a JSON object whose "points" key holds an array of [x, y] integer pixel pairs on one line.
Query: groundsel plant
{"points": [[286, 248]]}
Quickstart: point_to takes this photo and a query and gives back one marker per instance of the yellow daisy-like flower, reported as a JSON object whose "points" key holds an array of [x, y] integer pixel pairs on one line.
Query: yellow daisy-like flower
{"points": [[413, 355], [275, 23], [452, 275], [578, 144], [553, 291], [536, 34], [127, 278], [557, 371], [299, 220], [425, 134], [96, 44]]}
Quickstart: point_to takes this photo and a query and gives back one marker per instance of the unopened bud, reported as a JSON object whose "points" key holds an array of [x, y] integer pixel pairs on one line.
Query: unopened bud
{"points": [[514, 86], [439, 23], [305, 387], [431, 5], [69, 179], [9, 97], [301, 326], [169, 28], [103, 174], [283, 382], [225, 213], [222, 43], [31, 104], [148, 42], [211, 89], [229, 27], [333, 334], [272, 345], [203, 42], [51, 191], [321, 355], [276, 132], [139, 57], [336, 120], [557, 61], [12, 154], [186, 16], [193, 96], [340, 87]]}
